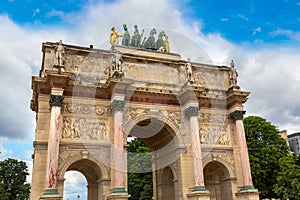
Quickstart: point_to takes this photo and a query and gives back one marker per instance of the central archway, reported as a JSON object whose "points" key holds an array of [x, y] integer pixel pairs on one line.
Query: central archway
{"points": [[162, 141]]}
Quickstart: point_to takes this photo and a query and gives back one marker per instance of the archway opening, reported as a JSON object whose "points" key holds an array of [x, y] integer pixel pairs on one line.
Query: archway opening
{"points": [[217, 181], [167, 184], [162, 143], [82, 181], [75, 186]]}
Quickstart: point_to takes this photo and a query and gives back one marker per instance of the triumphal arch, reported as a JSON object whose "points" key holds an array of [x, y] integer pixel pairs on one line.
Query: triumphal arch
{"points": [[89, 101]]}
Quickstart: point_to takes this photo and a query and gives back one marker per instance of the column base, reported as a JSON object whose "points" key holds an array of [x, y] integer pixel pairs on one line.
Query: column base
{"points": [[118, 195], [248, 193], [50, 194], [199, 193]]}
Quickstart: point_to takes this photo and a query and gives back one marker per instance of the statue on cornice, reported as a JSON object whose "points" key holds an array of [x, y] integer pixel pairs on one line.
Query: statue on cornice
{"points": [[189, 71], [59, 54], [136, 38], [126, 36], [150, 42], [114, 35], [232, 75]]}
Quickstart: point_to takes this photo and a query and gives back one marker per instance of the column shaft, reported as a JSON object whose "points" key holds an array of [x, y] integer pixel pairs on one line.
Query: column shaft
{"points": [[56, 102], [243, 153], [118, 150], [196, 151]]}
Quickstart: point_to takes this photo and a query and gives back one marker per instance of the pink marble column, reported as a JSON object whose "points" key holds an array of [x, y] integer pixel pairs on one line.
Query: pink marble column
{"points": [[238, 117], [192, 112], [119, 165], [56, 102]]}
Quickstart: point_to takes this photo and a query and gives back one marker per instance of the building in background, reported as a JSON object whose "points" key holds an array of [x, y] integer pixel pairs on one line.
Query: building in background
{"points": [[294, 143]]}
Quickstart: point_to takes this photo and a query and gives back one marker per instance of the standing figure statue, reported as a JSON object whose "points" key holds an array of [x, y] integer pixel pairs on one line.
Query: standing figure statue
{"points": [[114, 35], [150, 42], [232, 75], [59, 54], [167, 45], [160, 44], [126, 36], [116, 65], [189, 70], [136, 38]]}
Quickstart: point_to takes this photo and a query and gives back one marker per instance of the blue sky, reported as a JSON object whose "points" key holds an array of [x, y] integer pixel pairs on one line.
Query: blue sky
{"points": [[263, 38]]}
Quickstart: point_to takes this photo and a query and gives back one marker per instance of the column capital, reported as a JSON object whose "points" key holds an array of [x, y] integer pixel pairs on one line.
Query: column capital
{"points": [[192, 111], [56, 100], [237, 115], [117, 105]]}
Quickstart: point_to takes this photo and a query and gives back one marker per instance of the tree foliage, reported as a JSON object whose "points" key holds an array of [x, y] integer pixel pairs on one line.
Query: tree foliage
{"points": [[140, 185], [13, 184], [266, 147], [288, 178]]}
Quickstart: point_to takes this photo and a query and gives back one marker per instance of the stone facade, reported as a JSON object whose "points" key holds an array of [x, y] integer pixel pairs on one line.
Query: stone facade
{"points": [[88, 106]]}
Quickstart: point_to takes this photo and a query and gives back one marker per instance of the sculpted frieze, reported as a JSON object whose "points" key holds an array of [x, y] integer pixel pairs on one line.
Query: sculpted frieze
{"points": [[214, 135], [212, 118], [86, 109], [84, 129]]}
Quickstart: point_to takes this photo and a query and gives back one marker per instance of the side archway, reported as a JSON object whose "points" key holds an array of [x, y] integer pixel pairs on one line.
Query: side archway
{"points": [[217, 181], [95, 173]]}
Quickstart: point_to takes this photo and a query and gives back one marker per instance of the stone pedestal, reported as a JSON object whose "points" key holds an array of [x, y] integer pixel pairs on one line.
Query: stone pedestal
{"points": [[118, 196], [50, 194], [248, 195], [199, 195]]}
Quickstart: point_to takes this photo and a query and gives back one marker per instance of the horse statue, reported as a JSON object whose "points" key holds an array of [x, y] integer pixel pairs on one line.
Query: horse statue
{"points": [[160, 44], [150, 42], [136, 38], [126, 36]]}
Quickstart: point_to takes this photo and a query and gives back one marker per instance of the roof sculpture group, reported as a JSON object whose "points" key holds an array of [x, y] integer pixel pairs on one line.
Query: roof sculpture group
{"points": [[161, 44]]}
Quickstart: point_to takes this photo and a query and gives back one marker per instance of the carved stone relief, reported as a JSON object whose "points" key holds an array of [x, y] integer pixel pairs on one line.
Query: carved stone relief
{"points": [[88, 67], [132, 113], [84, 129], [211, 79], [87, 109], [212, 118], [227, 157], [217, 135]]}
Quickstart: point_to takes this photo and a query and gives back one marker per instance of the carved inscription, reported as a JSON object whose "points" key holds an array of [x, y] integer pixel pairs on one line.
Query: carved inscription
{"points": [[211, 79], [84, 129]]}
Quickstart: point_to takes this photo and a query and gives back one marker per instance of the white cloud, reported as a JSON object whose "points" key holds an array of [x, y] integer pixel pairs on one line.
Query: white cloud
{"points": [[257, 30], [242, 17], [36, 11], [294, 35]]}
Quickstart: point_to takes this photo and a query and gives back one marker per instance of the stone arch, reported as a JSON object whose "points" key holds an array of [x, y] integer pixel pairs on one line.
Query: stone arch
{"points": [[228, 163], [172, 126], [218, 181], [96, 174]]}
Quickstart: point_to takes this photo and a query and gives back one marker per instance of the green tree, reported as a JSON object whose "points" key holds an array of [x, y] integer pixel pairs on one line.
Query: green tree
{"points": [[266, 147], [288, 178], [140, 185], [13, 184]]}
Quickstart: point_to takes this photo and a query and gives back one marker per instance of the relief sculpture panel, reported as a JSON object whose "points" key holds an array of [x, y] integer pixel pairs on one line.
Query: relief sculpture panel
{"points": [[217, 135], [84, 129]]}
